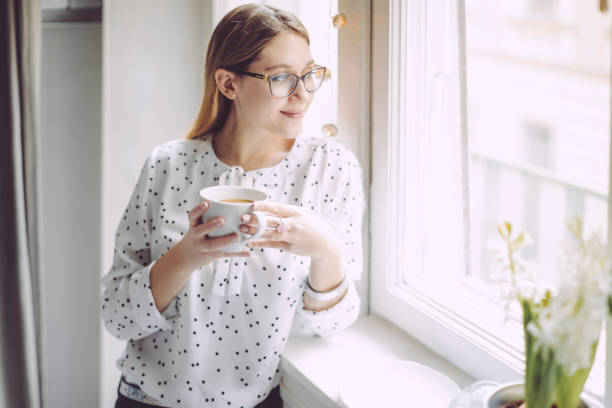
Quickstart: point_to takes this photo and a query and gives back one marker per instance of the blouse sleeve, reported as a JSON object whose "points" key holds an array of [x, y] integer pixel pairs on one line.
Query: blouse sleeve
{"points": [[343, 208], [127, 304]]}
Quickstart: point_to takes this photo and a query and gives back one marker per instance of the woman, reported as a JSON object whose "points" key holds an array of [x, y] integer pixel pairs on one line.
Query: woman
{"points": [[204, 327]]}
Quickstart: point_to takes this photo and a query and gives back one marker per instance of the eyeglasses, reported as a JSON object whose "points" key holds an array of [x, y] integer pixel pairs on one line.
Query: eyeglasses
{"points": [[283, 85]]}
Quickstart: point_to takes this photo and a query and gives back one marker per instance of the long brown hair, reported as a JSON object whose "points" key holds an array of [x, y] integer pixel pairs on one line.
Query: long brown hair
{"points": [[235, 43]]}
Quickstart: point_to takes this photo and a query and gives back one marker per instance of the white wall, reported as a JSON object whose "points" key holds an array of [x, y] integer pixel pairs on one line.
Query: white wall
{"points": [[153, 73], [70, 162]]}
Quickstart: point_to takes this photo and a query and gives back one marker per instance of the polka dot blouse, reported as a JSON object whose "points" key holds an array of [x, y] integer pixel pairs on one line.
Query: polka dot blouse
{"points": [[219, 342]]}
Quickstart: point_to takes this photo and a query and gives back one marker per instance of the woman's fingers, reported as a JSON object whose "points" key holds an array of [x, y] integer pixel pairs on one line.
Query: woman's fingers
{"points": [[196, 213], [270, 234], [209, 226], [220, 242], [244, 254], [272, 238], [249, 224], [251, 220], [282, 210], [268, 244]]}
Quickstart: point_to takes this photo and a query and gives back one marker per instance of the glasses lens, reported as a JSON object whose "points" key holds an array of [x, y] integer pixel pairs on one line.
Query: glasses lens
{"points": [[314, 79], [282, 85]]}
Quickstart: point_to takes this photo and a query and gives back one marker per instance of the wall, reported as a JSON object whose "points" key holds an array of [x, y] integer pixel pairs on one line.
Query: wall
{"points": [[70, 162]]}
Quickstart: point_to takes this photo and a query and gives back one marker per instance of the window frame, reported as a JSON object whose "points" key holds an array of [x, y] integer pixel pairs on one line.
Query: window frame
{"points": [[421, 308]]}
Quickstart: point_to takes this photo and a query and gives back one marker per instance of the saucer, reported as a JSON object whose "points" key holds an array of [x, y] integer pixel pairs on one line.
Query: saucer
{"points": [[396, 383]]}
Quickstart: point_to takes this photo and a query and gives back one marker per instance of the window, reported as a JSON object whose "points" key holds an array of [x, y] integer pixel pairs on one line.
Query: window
{"points": [[482, 112]]}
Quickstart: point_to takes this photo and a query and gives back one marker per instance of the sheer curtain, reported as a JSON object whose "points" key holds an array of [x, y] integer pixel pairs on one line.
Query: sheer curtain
{"points": [[20, 345]]}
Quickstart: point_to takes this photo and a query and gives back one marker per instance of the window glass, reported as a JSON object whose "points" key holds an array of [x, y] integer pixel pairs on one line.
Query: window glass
{"points": [[538, 81]]}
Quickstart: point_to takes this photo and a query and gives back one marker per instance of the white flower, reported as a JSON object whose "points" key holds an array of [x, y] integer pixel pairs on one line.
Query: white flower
{"points": [[515, 276], [571, 323], [568, 322]]}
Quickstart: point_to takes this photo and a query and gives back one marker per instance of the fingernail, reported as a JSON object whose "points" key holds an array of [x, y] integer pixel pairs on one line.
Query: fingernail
{"points": [[219, 221], [203, 205], [244, 228]]}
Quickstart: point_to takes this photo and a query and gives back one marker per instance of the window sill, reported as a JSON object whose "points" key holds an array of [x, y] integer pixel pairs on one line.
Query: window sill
{"points": [[307, 383]]}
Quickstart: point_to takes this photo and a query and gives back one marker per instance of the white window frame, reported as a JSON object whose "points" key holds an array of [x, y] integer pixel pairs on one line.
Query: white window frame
{"points": [[452, 329]]}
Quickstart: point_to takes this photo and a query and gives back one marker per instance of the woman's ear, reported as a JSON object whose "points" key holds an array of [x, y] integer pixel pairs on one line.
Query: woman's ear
{"points": [[225, 81]]}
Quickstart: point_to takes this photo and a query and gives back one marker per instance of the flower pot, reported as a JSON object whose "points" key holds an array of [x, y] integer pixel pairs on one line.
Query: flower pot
{"points": [[510, 392]]}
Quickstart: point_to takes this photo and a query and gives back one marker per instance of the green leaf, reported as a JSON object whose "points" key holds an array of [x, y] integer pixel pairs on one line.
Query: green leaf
{"points": [[519, 241], [569, 387], [540, 378], [540, 372]]}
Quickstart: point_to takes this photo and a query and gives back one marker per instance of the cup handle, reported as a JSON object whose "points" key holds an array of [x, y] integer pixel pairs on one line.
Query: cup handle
{"points": [[262, 223]]}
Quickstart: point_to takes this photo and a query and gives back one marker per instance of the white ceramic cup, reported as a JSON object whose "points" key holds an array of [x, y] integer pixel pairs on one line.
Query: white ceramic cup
{"points": [[233, 212]]}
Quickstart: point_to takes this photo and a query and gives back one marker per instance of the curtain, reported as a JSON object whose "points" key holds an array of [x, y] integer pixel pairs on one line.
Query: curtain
{"points": [[20, 339]]}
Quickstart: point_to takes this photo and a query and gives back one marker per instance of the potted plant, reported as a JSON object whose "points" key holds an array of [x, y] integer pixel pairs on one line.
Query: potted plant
{"points": [[561, 329]]}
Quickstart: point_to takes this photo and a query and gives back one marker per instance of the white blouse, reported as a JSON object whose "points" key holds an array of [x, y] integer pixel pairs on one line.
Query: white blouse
{"points": [[218, 343]]}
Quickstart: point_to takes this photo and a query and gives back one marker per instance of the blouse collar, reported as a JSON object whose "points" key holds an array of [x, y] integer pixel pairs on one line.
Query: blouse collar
{"points": [[207, 140]]}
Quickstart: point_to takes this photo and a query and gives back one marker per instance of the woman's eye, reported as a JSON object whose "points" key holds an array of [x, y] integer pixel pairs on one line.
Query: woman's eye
{"points": [[279, 78]]}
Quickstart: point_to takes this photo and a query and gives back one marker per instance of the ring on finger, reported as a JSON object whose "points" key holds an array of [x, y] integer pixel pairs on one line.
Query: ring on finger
{"points": [[277, 228], [282, 226], [278, 224]]}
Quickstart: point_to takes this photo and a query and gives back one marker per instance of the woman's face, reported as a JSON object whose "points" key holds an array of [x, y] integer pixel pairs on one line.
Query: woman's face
{"points": [[256, 107]]}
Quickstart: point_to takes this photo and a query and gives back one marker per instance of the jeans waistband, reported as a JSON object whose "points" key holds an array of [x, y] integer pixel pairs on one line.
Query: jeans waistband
{"points": [[134, 392]]}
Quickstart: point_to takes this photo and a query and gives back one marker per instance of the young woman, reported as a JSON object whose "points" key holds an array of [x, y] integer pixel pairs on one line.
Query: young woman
{"points": [[204, 327]]}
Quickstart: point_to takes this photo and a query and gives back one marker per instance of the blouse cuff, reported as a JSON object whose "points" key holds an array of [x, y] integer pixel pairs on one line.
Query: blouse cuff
{"points": [[326, 322], [145, 311]]}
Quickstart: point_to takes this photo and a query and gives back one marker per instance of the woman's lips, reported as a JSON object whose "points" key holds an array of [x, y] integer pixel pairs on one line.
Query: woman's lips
{"points": [[293, 115]]}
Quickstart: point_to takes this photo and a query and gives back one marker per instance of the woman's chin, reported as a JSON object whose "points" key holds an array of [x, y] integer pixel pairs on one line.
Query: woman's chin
{"points": [[292, 133]]}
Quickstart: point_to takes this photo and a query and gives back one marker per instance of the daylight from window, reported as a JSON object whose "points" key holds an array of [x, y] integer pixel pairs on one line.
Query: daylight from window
{"points": [[538, 80]]}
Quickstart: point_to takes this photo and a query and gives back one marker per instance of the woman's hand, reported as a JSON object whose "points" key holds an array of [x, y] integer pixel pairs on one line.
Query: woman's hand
{"points": [[195, 249], [172, 271], [294, 230]]}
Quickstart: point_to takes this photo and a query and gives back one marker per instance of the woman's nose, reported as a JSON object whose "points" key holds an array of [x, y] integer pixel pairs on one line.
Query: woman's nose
{"points": [[300, 91]]}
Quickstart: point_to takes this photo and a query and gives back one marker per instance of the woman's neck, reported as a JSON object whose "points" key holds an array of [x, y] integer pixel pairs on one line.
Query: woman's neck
{"points": [[248, 148]]}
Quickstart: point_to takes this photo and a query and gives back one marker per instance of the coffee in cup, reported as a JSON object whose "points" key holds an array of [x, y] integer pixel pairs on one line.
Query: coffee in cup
{"points": [[237, 200]]}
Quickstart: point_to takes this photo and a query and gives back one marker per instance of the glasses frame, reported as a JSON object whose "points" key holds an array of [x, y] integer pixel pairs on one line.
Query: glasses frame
{"points": [[266, 77]]}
